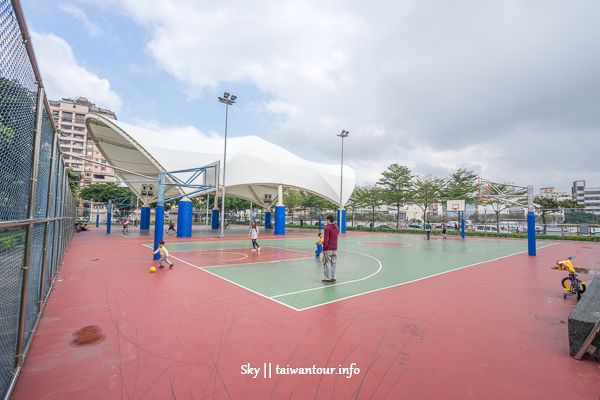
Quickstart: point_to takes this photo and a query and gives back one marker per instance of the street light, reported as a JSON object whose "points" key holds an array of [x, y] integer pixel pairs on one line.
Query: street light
{"points": [[343, 135], [228, 102]]}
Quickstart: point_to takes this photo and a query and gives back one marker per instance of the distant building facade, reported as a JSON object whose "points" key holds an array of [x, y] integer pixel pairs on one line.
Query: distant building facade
{"points": [[69, 116], [589, 196], [550, 193]]}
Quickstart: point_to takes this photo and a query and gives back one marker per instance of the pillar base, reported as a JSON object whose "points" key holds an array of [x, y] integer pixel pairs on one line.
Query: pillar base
{"points": [[145, 218], [184, 219], [341, 217], [214, 223], [280, 220]]}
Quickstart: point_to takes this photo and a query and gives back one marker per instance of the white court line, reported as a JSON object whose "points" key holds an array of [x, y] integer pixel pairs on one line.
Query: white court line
{"points": [[337, 284], [236, 284], [121, 234], [234, 259], [420, 279], [355, 295], [234, 265]]}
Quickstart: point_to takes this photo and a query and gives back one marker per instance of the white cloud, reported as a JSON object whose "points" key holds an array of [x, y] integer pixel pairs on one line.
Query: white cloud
{"points": [[64, 77], [178, 130], [79, 14], [497, 85]]}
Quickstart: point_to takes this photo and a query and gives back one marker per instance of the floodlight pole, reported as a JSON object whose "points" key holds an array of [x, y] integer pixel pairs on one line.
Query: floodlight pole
{"points": [[342, 212], [228, 102]]}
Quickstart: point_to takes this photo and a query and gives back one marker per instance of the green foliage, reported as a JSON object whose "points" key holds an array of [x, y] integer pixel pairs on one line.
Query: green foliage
{"points": [[580, 216], [427, 190], [461, 185], [74, 179], [397, 184], [102, 192]]}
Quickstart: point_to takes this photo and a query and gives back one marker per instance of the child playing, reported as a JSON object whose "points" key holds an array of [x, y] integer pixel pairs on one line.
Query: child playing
{"points": [[319, 245], [254, 236], [171, 227], [164, 254]]}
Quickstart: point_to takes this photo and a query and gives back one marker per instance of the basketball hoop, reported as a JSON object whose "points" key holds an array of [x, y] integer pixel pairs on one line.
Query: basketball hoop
{"points": [[455, 207], [485, 190]]}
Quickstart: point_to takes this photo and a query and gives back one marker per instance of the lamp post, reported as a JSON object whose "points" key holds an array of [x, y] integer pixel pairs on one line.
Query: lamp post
{"points": [[342, 216], [228, 102]]}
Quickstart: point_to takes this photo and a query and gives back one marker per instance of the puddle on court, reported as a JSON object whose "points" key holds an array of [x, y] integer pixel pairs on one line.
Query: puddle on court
{"points": [[87, 336], [550, 320], [584, 270]]}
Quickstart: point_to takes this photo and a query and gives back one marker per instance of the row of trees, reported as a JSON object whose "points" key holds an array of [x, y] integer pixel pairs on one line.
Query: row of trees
{"points": [[398, 187]]}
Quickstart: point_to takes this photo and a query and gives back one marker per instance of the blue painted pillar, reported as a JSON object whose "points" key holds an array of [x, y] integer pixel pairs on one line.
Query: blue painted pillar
{"points": [[214, 223], [108, 216], [97, 216], [341, 218], [267, 219], [184, 219], [145, 218], [280, 220], [462, 225], [159, 217], [531, 233]]}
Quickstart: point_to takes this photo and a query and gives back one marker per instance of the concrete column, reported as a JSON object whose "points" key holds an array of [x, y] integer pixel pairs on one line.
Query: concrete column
{"points": [[267, 219], [159, 218]]}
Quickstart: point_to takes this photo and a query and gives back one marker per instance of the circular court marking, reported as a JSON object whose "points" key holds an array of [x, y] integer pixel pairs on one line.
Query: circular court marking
{"points": [[385, 243], [234, 259]]}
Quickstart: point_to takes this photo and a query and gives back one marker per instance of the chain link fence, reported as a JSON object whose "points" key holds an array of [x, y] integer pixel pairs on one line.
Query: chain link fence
{"points": [[37, 210]]}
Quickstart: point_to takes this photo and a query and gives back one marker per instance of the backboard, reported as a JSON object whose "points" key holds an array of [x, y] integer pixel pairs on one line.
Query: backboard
{"points": [[456, 205]]}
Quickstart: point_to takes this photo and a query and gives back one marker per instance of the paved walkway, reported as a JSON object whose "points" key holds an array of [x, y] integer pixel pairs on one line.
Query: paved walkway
{"points": [[112, 330]]}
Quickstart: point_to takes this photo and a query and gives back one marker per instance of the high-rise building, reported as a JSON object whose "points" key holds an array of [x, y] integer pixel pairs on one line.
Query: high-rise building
{"points": [[590, 196], [69, 116]]}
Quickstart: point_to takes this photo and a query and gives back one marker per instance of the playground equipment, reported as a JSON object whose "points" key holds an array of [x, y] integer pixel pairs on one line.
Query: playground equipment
{"points": [[509, 193]]}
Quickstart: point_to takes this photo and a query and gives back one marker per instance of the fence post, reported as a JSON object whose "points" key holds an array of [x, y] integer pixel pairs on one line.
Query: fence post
{"points": [[47, 231], [29, 233]]}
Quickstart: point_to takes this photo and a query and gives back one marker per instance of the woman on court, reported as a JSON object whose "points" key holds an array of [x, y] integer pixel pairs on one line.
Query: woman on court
{"points": [[254, 236]]}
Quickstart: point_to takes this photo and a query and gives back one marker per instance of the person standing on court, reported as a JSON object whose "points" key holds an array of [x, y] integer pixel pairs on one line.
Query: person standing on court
{"points": [[428, 230], [330, 242]]}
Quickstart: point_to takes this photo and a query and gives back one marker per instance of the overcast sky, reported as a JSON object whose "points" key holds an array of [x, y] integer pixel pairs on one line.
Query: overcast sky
{"points": [[509, 89]]}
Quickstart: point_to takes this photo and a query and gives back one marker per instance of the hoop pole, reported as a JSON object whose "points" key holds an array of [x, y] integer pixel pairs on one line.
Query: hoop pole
{"points": [[530, 222]]}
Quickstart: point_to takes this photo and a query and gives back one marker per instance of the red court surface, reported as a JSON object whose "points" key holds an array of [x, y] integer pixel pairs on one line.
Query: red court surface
{"points": [[491, 331]]}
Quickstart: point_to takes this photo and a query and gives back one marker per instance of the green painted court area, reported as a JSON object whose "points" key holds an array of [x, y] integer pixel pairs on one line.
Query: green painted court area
{"points": [[365, 263]]}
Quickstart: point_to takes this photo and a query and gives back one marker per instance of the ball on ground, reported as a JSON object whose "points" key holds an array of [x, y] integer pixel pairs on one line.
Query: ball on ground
{"points": [[152, 269]]}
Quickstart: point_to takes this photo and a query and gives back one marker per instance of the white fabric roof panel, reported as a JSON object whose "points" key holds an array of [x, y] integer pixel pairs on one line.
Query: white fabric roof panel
{"points": [[254, 166]]}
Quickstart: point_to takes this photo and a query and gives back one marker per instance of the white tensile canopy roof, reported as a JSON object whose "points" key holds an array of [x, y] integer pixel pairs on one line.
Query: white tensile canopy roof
{"points": [[254, 166]]}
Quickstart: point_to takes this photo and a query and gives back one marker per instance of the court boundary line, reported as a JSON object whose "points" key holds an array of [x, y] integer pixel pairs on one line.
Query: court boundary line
{"points": [[234, 265], [337, 284], [425, 277], [354, 295]]}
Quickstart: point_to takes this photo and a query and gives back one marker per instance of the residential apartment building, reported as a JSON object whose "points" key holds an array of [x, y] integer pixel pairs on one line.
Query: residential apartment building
{"points": [[589, 196], [550, 193], [69, 116]]}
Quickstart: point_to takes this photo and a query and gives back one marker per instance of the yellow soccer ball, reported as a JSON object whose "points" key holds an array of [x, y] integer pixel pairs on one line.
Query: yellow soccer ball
{"points": [[152, 269]]}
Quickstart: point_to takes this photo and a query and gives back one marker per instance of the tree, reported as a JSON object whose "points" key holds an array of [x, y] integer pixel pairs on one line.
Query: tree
{"points": [[353, 202], [74, 180], [370, 196], [548, 205], [291, 199], [427, 190], [462, 185], [102, 192], [397, 183]]}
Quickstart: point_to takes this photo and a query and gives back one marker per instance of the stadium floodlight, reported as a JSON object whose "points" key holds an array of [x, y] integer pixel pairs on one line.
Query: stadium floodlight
{"points": [[228, 102]]}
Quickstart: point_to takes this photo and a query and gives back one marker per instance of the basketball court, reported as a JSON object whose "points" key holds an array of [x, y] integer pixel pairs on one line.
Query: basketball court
{"points": [[407, 318]]}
